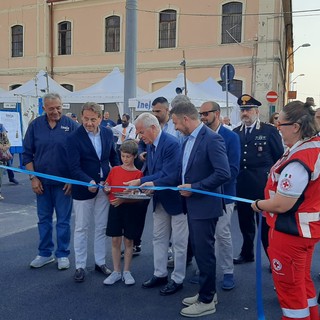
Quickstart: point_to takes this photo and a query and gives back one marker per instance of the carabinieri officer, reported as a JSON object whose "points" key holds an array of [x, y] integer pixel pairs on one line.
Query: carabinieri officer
{"points": [[261, 147]]}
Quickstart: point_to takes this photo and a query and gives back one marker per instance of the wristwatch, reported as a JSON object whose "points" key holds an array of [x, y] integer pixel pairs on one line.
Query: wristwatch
{"points": [[31, 176]]}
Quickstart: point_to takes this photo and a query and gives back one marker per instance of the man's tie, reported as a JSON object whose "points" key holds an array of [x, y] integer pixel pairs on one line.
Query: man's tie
{"points": [[247, 133], [153, 150]]}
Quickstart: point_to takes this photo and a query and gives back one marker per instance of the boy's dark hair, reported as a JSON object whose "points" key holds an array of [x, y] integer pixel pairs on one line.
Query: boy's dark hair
{"points": [[130, 147]]}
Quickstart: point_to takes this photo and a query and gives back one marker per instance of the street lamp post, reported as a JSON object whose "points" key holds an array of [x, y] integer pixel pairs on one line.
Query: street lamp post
{"points": [[299, 75], [288, 68], [293, 83], [305, 45], [292, 93]]}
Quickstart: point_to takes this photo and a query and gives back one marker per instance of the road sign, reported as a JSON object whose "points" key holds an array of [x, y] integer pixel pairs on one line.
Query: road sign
{"points": [[227, 72], [230, 86], [272, 96]]}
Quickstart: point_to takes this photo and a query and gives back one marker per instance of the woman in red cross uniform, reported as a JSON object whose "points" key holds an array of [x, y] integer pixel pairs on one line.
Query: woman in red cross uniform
{"points": [[292, 207]]}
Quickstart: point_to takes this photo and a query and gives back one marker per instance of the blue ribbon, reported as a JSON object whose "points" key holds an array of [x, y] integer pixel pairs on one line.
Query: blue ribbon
{"points": [[85, 184], [258, 248], [49, 176]]}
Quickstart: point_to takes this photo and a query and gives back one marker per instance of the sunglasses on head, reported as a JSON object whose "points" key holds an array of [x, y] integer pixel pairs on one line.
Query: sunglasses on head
{"points": [[285, 124], [206, 113]]}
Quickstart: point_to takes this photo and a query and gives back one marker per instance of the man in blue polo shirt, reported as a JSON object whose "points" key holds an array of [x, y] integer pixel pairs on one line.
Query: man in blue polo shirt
{"points": [[45, 151]]}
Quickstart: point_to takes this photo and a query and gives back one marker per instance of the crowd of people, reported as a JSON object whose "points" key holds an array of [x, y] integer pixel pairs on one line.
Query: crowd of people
{"points": [[194, 150]]}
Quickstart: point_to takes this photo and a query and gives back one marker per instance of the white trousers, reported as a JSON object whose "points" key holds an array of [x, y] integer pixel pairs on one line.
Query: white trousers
{"points": [[164, 226], [97, 207], [223, 245]]}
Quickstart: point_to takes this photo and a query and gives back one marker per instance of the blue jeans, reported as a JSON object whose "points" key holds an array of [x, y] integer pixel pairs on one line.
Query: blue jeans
{"points": [[53, 198]]}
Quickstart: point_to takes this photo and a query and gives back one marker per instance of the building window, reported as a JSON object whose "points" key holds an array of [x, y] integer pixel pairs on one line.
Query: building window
{"points": [[64, 38], [14, 86], [67, 86], [235, 87], [167, 29], [17, 41], [112, 34], [231, 22]]}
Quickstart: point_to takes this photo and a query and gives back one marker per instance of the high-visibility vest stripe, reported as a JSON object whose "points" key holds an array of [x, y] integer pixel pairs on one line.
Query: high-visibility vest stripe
{"points": [[304, 219], [312, 302], [296, 313]]}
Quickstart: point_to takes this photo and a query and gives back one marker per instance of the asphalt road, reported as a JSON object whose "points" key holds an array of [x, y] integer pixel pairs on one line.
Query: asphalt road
{"points": [[50, 294]]}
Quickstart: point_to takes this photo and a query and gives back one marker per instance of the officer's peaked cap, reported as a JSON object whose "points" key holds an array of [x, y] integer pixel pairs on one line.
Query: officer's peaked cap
{"points": [[247, 101]]}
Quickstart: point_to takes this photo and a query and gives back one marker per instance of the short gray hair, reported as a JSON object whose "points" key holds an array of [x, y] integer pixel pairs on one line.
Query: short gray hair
{"points": [[147, 120], [51, 96], [179, 98], [92, 106]]}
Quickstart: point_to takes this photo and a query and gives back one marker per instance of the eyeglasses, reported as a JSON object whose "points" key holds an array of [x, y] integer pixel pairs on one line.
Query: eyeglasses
{"points": [[156, 111], [285, 124], [206, 113]]}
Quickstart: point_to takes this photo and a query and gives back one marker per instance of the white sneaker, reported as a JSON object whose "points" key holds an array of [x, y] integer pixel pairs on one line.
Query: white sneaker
{"points": [[1, 197], [40, 261], [191, 300], [63, 263], [128, 278], [199, 309], [113, 278]]}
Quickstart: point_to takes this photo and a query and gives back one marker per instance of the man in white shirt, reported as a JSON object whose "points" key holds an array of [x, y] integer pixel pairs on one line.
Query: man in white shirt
{"points": [[124, 131]]}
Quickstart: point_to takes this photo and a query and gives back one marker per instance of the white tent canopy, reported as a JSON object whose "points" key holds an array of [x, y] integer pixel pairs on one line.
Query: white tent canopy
{"points": [[212, 87], [35, 87], [196, 94], [209, 90], [110, 89]]}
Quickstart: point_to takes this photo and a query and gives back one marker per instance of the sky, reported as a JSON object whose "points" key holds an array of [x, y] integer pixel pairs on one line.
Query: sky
{"points": [[306, 29]]}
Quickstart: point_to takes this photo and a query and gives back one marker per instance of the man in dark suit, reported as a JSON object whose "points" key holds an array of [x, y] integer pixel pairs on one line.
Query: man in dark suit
{"points": [[261, 147], [90, 153], [163, 152], [210, 116], [205, 166]]}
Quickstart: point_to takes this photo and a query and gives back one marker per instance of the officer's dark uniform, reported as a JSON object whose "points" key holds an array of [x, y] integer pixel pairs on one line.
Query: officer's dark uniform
{"points": [[259, 151]]}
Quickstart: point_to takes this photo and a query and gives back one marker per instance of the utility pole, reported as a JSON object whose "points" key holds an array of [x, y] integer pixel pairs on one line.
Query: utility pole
{"points": [[184, 65], [130, 67]]}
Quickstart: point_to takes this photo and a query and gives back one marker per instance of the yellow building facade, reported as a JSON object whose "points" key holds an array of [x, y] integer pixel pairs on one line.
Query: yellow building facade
{"points": [[78, 42]]}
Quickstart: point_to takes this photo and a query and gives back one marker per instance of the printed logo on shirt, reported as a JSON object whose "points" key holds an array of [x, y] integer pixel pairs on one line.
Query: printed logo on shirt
{"points": [[65, 128]]}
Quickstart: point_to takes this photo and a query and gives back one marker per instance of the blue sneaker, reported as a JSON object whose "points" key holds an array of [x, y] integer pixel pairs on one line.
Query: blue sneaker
{"points": [[228, 282]]}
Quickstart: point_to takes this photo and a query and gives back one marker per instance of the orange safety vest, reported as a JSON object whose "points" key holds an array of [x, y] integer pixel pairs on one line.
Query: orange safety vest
{"points": [[303, 219]]}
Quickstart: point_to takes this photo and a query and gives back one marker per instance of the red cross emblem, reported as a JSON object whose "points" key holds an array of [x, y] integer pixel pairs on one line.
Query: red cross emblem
{"points": [[276, 264], [285, 184]]}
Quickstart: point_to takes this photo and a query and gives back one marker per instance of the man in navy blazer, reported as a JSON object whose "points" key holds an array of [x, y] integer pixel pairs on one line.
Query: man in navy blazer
{"points": [[205, 167], [210, 116], [90, 153], [163, 154]]}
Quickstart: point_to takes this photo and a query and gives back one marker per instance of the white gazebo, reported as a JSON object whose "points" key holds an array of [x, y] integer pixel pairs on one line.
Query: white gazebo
{"points": [[110, 89]]}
